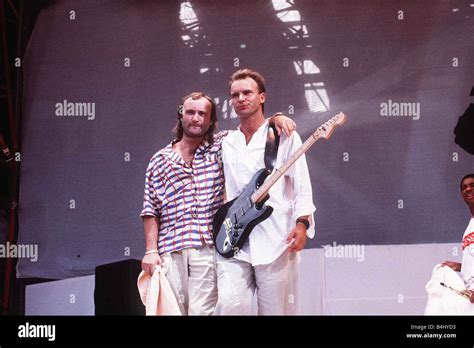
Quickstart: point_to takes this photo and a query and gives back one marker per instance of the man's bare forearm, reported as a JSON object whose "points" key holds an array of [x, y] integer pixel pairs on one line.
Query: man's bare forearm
{"points": [[151, 232]]}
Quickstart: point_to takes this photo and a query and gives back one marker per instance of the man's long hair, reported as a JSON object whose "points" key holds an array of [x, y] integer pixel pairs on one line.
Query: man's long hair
{"points": [[243, 74], [178, 129]]}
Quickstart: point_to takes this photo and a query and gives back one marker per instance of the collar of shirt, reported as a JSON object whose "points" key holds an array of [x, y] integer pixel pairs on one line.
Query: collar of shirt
{"points": [[175, 157], [257, 136]]}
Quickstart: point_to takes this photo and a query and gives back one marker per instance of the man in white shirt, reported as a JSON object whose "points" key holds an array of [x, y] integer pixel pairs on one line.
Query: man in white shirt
{"points": [[467, 266], [268, 262], [450, 292]]}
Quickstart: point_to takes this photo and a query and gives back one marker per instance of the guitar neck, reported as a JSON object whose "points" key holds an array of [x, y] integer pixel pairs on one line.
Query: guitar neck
{"points": [[262, 191]]}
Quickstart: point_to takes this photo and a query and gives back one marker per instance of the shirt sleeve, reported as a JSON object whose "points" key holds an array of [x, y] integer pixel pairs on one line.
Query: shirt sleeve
{"points": [[151, 202], [302, 188]]}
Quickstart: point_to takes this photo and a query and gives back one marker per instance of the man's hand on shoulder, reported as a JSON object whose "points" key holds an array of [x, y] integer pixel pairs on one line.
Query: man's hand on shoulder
{"points": [[283, 124]]}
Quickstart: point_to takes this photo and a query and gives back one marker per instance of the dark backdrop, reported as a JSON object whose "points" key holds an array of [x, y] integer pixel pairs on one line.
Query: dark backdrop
{"points": [[378, 180]]}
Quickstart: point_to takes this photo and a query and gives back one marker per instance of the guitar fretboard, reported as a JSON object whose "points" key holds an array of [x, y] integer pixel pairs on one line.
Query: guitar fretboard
{"points": [[272, 179], [324, 131]]}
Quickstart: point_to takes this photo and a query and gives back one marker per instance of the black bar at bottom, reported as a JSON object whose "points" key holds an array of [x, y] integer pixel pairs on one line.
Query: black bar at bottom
{"points": [[140, 330]]}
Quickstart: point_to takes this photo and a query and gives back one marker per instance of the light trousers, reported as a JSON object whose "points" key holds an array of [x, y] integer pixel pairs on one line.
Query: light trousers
{"points": [[192, 276], [276, 286]]}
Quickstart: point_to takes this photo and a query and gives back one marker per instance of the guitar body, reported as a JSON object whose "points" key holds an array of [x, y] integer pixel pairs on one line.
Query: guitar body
{"points": [[234, 221]]}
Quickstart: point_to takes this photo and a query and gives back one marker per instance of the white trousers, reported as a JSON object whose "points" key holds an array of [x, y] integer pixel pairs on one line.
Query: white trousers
{"points": [[192, 276], [276, 285]]}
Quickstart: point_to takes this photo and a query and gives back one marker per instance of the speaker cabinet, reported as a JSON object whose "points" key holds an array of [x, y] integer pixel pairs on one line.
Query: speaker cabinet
{"points": [[116, 291]]}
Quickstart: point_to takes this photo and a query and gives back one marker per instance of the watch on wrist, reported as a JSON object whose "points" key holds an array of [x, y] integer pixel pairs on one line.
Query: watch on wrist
{"points": [[304, 222]]}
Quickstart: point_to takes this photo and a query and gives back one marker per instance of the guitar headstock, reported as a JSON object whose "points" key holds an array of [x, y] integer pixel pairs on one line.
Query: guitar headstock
{"points": [[326, 129]]}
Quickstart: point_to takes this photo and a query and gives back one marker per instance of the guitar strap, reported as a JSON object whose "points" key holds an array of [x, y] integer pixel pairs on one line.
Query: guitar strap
{"points": [[271, 148]]}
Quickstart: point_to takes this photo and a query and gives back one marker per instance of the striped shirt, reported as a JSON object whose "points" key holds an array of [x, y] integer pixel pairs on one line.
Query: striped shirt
{"points": [[184, 198]]}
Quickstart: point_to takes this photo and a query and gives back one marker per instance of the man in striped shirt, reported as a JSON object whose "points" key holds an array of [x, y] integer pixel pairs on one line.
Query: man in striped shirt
{"points": [[184, 188]]}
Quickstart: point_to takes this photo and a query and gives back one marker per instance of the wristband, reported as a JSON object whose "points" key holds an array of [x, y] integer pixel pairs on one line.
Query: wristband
{"points": [[151, 251], [304, 222]]}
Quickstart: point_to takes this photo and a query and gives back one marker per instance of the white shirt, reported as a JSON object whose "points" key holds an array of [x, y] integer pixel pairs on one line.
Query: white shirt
{"points": [[291, 196], [467, 266]]}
